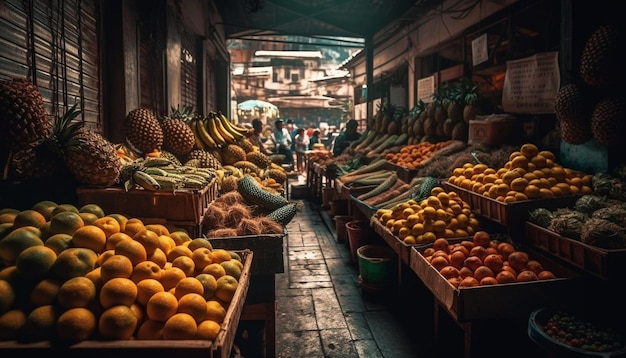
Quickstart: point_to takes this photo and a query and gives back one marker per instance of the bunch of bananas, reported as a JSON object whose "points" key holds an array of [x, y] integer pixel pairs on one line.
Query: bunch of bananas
{"points": [[156, 174], [215, 130]]}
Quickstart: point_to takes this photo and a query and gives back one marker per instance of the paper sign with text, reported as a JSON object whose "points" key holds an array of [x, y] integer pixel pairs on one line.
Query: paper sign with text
{"points": [[531, 84]]}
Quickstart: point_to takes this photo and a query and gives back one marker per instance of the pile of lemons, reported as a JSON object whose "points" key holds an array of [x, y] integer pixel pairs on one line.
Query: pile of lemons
{"points": [[528, 174], [441, 215], [74, 274]]}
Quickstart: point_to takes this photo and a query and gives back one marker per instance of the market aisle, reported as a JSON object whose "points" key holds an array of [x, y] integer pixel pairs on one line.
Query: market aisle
{"points": [[321, 310]]}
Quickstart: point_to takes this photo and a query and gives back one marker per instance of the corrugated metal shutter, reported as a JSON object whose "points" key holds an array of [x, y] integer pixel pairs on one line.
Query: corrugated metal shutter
{"points": [[211, 87], [151, 50], [56, 45], [189, 70]]}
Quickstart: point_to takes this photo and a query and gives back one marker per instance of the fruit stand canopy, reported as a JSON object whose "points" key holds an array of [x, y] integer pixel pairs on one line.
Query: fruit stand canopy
{"points": [[257, 108]]}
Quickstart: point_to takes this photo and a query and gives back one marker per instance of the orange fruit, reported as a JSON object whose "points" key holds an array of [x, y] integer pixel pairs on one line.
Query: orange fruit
{"points": [[88, 218], [194, 305], [104, 256], [118, 291], [150, 330], [166, 243], [534, 266], [116, 266], [117, 322], [76, 324], [43, 293], [208, 330], [28, 217], [146, 270], [441, 244], [488, 280], [72, 262], [449, 271], [180, 237], [457, 258], [15, 242], [149, 239], [473, 262], [11, 324], [465, 271], [505, 276], [481, 238], [478, 251], [178, 251], [92, 209], [66, 222], [494, 262], [198, 243], [45, 208], [35, 262], [482, 272], [180, 326], [209, 283], [438, 262], [518, 260], [133, 226], [161, 306], [8, 217], [113, 239], [7, 296], [226, 287], [188, 285], [61, 208], [215, 311], [170, 277], [232, 268], [76, 292], [214, 269], [220, 255], [40, 323], [147, 288], [186, 264], [108, 224], [526, 276], [160, 229], [545, 275], [505, 249], [132, 249], [90, 237], [94, 276], [158, 257], [121, 219], [201, 258], [469, 282]]}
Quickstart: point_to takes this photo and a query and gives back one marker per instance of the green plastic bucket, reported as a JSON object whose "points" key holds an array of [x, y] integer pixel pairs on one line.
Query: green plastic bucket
{"points": [[377, 264]]}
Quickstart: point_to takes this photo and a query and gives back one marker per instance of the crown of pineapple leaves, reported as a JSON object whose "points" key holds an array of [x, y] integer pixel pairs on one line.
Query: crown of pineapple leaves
{"points": [[185, 113], [66, 129]]}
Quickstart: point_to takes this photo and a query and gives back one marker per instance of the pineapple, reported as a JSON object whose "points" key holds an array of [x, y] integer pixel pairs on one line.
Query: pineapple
{"points": [[23, 117], [143, 130], [232, 153], [41, 162], [246, 145], [607, 120], [205, 159], [91, 158], [600, 64], [573, 114], [178, 137]]}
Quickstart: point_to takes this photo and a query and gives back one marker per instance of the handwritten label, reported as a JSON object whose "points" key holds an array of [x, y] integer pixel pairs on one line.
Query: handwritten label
{"points": [[531, 84]]}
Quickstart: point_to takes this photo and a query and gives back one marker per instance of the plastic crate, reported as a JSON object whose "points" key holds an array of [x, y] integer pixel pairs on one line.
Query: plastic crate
{"points": [[599, 262], [221, 347]]}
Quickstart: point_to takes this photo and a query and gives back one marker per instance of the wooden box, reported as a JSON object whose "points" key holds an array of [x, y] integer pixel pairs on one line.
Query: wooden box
{"points": [[514, 300], [599, 262], [220, 348]]}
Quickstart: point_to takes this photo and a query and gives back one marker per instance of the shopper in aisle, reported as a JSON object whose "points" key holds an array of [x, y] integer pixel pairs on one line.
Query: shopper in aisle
{"points": [[282, 141], [315, 139], [301, 144], [347, 136], [257, 137]]}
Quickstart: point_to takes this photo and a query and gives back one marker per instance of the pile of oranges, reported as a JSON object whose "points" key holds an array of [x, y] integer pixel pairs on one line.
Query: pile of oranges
{"points": [[483, 261], [528, 174], [75, 274]]}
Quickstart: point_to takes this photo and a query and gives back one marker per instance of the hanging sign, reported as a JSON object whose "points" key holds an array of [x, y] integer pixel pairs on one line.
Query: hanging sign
{"points": [[479, 50], [531, 84], [426, 88]]}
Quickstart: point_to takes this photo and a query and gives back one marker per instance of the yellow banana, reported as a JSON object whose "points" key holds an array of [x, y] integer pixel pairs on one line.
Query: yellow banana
{"points": [[199, 144], [228, 126], [212, 129], [234, 127], [229, 138], [205, 135]]}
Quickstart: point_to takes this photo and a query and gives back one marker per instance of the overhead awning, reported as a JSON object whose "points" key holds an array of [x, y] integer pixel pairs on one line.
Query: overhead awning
{"points": [[306, 102]]}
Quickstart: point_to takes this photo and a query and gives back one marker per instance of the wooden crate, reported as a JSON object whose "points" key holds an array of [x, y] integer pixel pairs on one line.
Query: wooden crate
{"points": [[602, 263], [514, 300], [185, 205], [220, 348], [267, 248]]}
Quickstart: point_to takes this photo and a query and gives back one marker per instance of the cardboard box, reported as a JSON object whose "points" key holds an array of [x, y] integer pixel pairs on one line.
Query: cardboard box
{"points": [[493, 130], [599, 262], [515, 300], [220, 348]]}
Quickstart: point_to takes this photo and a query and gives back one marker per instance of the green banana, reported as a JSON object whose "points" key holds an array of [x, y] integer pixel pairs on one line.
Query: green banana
{"points": [[146, 181]]}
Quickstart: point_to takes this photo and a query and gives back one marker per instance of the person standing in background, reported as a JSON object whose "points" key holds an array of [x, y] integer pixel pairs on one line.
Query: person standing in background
{"points": [[349, 135], [315, 139], [282, 141], [257, 137], [302, 144], [292, 129]]}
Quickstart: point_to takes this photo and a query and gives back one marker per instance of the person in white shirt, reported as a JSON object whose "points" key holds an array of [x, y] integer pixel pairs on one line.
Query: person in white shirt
{"points": [[301, 144], [282, 141]]}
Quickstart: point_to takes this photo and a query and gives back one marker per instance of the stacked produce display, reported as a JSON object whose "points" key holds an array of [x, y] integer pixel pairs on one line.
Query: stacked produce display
{"points": [[72, 274]]}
